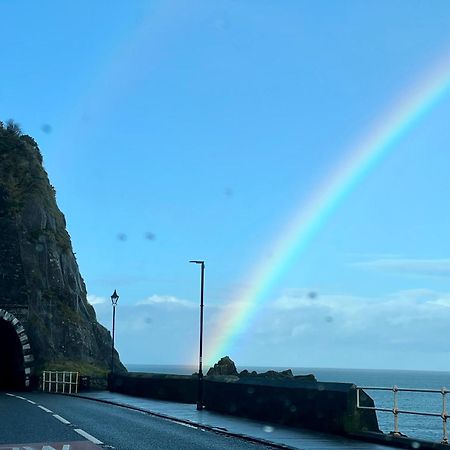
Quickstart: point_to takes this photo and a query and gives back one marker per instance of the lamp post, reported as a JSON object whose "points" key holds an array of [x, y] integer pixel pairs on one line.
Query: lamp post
{"points": [[200, 372], [114, 300]]}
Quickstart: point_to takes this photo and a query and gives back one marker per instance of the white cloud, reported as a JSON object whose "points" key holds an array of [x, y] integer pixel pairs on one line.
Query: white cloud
{"points": [[345, 330], [167, 300], [95, 299], [399, 330], [424, 267]]}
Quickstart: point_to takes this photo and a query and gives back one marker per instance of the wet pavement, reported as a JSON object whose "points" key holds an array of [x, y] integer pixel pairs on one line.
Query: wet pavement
{"points": [[282, 436]]}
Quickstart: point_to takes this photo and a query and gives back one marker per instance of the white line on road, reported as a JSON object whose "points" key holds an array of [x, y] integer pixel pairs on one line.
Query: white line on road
{"points": [[21, 398], [88, 436], [30, 401], [11, 395], [45, 409], [186, 425], [61, 419]]}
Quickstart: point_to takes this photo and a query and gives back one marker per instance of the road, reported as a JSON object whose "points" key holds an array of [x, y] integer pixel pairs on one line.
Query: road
{"points": [[46, 418]]}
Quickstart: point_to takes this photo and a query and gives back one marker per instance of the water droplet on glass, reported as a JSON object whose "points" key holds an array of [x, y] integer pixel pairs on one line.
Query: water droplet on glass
{"points": [[46, 128], [228, 192]]}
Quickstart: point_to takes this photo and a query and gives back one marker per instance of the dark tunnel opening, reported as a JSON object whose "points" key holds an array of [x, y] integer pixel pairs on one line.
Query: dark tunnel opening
{"points": [[12, 371]]}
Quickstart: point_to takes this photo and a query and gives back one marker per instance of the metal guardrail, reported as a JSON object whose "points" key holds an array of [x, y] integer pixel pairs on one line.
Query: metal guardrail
{"points": [[53, 381], [396, 411]]}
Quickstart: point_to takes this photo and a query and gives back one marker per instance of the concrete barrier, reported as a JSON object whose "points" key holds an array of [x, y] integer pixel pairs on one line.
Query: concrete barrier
{"points": [[329, 407]]}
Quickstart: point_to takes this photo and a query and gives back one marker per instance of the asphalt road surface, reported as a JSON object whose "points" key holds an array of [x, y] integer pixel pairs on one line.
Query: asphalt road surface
{"points": [[46, 418]]}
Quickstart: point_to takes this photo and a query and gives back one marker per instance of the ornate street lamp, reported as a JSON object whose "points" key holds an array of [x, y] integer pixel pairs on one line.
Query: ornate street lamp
{"points": [[200, 372], [114, 300]]}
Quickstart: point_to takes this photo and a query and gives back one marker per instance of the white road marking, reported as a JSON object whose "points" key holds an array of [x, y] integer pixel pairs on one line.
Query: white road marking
{"points": [[45, 409], [61, 419], [186, 425], [88, 436], [81, 432]]}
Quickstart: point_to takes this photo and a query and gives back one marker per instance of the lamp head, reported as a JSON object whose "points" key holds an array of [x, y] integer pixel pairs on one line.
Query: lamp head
{"points": [[197, 262], [114, 298]]}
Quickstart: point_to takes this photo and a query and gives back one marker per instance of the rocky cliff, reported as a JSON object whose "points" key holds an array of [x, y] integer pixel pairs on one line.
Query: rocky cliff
{"points": [[40, 283]]}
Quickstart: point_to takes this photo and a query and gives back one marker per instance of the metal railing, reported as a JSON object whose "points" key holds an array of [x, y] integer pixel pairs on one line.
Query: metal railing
{"points": [[396, 411], [65, 382]]}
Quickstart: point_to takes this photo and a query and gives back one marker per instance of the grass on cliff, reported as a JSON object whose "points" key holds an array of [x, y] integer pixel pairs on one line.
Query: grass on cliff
{"points": [[82, 367], [23, 179]]}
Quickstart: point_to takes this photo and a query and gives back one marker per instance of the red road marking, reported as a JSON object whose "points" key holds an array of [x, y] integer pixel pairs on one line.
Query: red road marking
{"points": [[77, 445]]}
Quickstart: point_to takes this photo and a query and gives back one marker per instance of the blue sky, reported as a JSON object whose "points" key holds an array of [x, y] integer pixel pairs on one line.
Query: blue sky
{"points": [[178, 130]]}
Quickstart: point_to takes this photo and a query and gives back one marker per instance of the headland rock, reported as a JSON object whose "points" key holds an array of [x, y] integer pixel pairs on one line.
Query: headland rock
{"points": [[40, 283]]}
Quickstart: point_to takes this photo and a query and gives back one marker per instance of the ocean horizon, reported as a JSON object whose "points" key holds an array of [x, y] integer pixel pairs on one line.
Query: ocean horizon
{"points": [[421, 427]]}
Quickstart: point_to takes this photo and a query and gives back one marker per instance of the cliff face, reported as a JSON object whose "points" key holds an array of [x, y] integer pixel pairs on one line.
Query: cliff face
{"points": [[40, 283]]}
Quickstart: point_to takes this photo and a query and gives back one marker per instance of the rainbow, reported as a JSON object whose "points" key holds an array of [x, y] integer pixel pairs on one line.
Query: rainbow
{"points": [[310, 217]]}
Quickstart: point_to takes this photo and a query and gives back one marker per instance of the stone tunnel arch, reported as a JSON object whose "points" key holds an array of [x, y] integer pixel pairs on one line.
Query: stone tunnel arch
{"points": [[15, 353]]}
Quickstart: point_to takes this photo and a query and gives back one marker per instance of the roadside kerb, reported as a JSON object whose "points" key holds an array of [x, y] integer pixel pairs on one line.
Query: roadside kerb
{"points": [[391, 440]]}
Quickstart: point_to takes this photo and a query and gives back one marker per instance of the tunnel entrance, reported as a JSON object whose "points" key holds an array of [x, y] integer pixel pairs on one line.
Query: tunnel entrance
{"points": [[12, 368]]}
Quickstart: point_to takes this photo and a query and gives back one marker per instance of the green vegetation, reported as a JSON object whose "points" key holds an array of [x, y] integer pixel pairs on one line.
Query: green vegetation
{"points": [[82, 367], [23, 180], [21, 162], [69, 314]]}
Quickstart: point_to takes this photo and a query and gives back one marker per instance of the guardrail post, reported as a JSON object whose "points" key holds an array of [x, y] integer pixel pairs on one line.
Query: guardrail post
{"points": [[444, 416], [395, 411]]}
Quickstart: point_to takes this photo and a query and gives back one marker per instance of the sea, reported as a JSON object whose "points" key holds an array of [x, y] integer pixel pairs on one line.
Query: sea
{"points": [[414, 426]]}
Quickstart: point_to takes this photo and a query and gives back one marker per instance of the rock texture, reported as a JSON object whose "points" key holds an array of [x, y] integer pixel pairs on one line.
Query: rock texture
{"points": [[40, 282], [226, 368]]}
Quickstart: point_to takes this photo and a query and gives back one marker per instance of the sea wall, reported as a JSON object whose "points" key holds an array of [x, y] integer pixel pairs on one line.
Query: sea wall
{"points": [[176, 388], [329, 407]]}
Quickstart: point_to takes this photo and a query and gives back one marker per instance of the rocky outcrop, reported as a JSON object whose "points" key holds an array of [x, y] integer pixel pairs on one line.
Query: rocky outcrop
{"points": [[281, 375], [40, 282], [269, 374], [225, 368]]}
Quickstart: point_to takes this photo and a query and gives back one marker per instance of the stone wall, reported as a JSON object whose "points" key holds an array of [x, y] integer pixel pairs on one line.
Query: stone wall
{"points": [[329, 407]]}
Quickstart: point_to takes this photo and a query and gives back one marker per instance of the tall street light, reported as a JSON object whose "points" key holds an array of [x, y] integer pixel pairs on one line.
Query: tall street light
{"points": [[200, 372], [114, 300]]}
